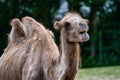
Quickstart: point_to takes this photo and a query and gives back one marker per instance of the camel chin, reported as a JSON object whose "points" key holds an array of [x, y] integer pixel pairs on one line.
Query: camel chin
{"points": [[84, 37]]}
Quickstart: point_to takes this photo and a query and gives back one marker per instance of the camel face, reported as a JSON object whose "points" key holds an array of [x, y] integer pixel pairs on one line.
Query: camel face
{"points": [[75, 26], [77, 29]]}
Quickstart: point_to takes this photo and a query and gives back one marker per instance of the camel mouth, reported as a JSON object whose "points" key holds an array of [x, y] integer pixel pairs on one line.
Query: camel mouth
{"points": [[84, 37], [83, 31]]}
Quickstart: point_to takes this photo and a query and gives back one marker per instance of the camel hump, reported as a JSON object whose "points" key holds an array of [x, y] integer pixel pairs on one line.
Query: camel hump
{"points": [[17, 33]]}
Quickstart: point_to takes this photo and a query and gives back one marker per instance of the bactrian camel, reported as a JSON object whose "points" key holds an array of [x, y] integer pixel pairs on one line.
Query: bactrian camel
{"points": [[32, 54]]}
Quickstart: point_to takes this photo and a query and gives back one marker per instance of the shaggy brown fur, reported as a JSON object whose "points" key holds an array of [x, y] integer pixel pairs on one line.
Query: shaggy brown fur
{"points": [[32, 54]]}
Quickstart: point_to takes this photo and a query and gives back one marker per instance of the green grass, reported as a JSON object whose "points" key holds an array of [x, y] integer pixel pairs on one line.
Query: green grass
{"points": [[103, 73]]}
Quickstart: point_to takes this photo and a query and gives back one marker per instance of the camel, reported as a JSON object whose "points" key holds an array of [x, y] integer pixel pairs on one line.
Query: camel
{"points": [[32, 53], [73, 29]]}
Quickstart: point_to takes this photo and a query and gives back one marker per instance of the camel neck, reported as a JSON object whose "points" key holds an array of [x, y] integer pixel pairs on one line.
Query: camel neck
{"points": [[68, 49], [69, 56]]}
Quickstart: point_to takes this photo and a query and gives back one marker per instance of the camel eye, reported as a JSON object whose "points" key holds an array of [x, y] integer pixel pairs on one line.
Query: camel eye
{"points": [[81, 24], [67, 24]]}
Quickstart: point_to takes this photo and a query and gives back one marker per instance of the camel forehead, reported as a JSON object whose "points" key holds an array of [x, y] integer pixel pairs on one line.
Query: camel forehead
{"points": [[73, 19]]}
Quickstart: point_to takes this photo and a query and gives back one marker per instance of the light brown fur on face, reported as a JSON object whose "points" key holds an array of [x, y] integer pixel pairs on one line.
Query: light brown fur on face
{"points": [[76, 27]]}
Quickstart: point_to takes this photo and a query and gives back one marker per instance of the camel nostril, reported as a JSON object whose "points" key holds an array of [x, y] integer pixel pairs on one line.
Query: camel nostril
{"points": [[83, 26]]}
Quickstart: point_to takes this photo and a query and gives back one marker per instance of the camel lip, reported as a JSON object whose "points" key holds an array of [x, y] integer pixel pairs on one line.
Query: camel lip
{"points": [[84, 37]]}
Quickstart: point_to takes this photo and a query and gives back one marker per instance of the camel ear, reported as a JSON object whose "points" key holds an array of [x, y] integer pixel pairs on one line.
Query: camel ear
{"points": [[17, 33], [87, 21], [57, 25]]}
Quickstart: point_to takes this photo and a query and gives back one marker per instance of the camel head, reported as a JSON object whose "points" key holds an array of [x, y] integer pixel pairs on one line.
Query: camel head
{"points": [[75, 27]]}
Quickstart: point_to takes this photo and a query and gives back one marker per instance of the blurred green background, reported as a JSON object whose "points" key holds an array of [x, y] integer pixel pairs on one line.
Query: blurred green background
{"points": [[103, 48]]}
